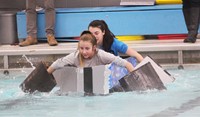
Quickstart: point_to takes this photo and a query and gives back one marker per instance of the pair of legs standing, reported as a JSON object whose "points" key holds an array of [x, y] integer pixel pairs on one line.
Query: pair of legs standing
{"points": [[191, 12], [31, 22]]}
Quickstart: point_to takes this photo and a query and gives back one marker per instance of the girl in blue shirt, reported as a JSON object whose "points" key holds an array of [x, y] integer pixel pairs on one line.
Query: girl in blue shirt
{"points": [[106, 40]]}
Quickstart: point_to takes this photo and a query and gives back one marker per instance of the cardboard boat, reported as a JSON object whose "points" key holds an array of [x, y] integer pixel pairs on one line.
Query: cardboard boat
{"points": [[89, 80], [38, 80], [141, 79], [98, 80], [162, 73]]}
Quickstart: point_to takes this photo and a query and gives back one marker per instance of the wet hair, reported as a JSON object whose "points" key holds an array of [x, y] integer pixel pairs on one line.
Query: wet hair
{"points": [[108, 38]]}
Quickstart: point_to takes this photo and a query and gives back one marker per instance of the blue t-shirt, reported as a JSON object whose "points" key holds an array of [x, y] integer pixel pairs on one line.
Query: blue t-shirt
{"points": [[118, 47]]}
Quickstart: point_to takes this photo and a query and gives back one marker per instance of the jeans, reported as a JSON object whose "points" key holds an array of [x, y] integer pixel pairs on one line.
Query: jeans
{"points": [[31, 16], [191, 12]]}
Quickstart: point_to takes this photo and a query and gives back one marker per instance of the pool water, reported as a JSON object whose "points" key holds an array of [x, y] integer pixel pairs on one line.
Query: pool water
{"points": [[181, 99]]}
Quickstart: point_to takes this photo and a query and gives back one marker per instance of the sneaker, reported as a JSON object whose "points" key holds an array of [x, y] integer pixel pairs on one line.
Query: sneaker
{"points": [[29, 41], [51, 40]]}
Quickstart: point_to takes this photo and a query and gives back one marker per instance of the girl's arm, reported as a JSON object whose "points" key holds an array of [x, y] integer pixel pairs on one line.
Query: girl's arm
{"points": [[129, 66], [132, 52], [61, 62], [108, 58], [50, 70], [123, 48]]}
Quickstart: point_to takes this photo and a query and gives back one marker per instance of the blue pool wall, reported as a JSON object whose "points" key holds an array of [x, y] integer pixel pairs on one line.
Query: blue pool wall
{"points": [[122, 20]]}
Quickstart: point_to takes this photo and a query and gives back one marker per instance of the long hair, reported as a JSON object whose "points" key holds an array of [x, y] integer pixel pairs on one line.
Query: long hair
{"points": [[86, 36], [108, 38]]}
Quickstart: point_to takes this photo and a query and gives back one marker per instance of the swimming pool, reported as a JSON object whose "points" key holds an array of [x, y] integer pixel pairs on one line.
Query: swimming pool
{"points": [[181, 99]]}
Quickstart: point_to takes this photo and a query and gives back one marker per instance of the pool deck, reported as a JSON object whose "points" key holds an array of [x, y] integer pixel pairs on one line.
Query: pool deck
{"points": [[143, 46]]}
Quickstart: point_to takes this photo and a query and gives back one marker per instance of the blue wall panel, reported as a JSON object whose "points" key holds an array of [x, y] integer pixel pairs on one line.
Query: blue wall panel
{"points": [[146, 20]]}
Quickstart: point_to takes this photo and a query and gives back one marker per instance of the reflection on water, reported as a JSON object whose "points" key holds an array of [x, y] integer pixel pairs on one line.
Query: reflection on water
{"points": [[181, 99], [173, 111]]}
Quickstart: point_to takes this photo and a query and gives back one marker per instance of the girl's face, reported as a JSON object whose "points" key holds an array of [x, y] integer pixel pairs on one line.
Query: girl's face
{"points": [[86, 49], [98, 34]]}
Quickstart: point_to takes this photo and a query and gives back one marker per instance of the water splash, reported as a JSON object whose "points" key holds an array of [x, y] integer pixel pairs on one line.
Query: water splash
{"points": [[24, 56]]}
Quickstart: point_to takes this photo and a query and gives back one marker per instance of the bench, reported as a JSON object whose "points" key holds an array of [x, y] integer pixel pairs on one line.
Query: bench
{"points": [[163, 51]]}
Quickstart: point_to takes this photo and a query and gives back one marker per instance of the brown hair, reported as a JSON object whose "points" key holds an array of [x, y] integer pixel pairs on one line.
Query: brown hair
{"points": [[86, 36], [108, 37]]}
